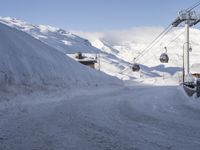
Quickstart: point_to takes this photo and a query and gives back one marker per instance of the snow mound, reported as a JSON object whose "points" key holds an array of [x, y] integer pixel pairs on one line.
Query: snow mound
{"points": [[25, 60]]}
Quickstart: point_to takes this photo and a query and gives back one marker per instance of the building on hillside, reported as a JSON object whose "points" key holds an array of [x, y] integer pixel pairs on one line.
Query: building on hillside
{"points": [[88, 61]]}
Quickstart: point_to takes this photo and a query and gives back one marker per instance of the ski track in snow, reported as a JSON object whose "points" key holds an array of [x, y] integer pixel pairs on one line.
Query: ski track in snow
{"points": [[121, 118]]}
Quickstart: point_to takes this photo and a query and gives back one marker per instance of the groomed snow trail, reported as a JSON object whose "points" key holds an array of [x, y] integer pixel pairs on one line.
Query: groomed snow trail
{"points": [[121, 118]]}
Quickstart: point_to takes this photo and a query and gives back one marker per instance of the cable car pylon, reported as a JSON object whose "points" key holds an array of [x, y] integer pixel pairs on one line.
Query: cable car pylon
{"points": [[190, 18]]}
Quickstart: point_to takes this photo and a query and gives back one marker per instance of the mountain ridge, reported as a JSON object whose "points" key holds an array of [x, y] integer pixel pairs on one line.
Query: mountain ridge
{"points": [[60, 39]]}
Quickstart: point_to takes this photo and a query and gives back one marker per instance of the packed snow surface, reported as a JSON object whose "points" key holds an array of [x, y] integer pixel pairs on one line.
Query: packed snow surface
{"points": [[134, 117]]}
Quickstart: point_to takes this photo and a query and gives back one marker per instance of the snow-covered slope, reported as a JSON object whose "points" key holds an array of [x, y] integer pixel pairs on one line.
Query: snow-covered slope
{"points": [[60, 39], [130, 47], [67, 42], [129, 44], [118, 49], [25, 60]]}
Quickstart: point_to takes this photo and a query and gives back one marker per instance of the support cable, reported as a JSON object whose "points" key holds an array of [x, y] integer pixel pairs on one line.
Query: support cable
{"points": [[193, 6]]}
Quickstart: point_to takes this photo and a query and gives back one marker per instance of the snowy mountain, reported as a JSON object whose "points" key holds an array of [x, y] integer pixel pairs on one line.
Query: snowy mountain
{"points": [[129, 47], [60, 39], [117, 49], [25, 60], [67, 42], [129, 44]]}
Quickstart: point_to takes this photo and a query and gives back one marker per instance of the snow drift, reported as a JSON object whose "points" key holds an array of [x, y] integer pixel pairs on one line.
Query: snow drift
{"points": [[25, 60]]}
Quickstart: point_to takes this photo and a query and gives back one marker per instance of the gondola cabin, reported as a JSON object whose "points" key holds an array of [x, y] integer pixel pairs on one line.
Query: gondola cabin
{"points": [[135, 67], [164, 58]]}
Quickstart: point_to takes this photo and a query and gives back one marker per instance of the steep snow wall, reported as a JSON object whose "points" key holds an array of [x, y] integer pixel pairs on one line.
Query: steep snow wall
{"points": [[27, 61]]}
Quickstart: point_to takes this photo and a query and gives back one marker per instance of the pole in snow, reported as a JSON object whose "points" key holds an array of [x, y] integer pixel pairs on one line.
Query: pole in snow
{"points": [[99, 62], [190, 18], [187, 53]]}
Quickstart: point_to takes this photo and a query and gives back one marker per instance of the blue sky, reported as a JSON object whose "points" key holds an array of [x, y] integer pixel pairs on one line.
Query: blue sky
{"points": [[95, 15]]}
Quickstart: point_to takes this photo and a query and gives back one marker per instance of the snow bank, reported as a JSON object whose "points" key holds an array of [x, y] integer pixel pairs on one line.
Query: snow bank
{"points": [[25, 60]]}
